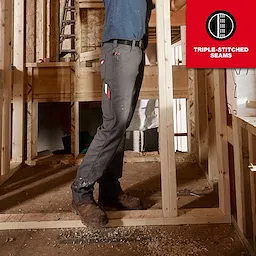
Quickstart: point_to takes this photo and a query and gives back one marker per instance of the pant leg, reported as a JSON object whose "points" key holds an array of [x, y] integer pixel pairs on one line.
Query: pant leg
{"points": [[115, 168], [119, 73], [109, 184]]}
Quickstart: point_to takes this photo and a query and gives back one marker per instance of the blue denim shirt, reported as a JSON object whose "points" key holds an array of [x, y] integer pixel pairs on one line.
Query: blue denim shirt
{"points": [[126, 19]]}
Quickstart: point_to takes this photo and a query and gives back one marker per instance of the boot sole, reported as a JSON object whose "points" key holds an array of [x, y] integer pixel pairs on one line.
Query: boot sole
{"points": [[91, 225]]}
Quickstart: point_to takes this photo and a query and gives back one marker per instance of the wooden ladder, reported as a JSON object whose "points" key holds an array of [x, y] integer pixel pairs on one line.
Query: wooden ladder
{"points": [[68, 20]]}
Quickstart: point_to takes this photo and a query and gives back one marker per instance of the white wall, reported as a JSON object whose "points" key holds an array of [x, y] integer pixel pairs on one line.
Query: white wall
{"points": [[241, 91]]}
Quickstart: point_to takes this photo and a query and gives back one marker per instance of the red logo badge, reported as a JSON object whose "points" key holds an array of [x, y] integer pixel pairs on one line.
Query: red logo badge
{"points": [[220, 34]]}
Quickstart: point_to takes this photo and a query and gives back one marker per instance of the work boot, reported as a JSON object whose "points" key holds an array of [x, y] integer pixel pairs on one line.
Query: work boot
{"points": [[90, 214], [122, 201]]}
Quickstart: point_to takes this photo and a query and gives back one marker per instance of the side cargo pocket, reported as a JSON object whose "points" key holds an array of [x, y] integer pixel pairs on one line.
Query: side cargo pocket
{"points": [[103, 66]]}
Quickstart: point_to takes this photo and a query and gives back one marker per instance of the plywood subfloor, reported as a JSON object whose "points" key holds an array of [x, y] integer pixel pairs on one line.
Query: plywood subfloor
{"points": [[196, 240], [45, 188]]}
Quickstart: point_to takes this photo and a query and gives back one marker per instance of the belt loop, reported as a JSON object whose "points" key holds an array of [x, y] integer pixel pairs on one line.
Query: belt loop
{"points": [[114, 43], [133, 44]]}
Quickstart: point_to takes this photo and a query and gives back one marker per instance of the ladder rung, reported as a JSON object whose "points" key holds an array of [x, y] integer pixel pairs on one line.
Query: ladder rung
{"points": [[70, 8], [65, 52], [68, 36], [65, 22], [68, 51], [68, 21]]}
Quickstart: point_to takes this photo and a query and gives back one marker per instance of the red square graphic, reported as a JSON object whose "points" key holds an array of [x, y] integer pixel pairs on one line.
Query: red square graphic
{"points": [[221, 34]]}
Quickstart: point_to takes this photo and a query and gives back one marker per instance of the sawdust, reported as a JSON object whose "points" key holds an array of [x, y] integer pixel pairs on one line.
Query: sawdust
{"points": [[196, 240], [172, 246], [157, 241], [108, 235]]}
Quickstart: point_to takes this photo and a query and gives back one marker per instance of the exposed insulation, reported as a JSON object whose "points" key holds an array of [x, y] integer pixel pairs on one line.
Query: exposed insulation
{"points": [[92, 28], [30, 31], [191, 108]]}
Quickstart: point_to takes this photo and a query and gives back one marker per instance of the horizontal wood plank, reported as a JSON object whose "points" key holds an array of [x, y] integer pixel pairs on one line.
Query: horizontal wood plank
{"points": [[119, 218], [177, 18], [49, 64], [53, 83], [149, 89], [248, 123]]}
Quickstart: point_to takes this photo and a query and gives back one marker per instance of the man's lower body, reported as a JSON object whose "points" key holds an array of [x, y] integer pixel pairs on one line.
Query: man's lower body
{"points": [[122, 70]]}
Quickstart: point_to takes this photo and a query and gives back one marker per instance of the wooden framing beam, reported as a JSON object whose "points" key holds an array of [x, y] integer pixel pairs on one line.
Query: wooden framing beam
{"points": [[91, 4], [183, 44], [6, 81], [212, 150], [182, 35], [91, 55], [74, 103], [230, 135], [248, 123], [32, 119], [2, 69], [52, 82], [239, 177], [243, 139], [149, 89], [252, 159], [49, 65], [201, 118], [18, 81], [166, 130], [117, 219], [177, 18], [41, 31], [221, 140], [247, 188], [53, 30]]}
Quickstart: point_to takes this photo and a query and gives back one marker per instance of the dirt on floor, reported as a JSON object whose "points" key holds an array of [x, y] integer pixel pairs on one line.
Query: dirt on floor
{"points": [[208, 240], [45, 188]]}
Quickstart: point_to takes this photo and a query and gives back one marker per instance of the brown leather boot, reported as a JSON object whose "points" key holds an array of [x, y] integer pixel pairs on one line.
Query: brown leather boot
{"points": [[121, 202], [90, 214]]}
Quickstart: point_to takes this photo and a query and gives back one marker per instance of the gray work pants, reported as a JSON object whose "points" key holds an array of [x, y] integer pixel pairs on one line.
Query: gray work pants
{"points": [[122, 70]]}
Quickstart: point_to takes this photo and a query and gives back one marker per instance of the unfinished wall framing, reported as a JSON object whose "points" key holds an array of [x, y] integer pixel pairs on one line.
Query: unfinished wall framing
{"points": [[11, 77], [79, 81]]}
